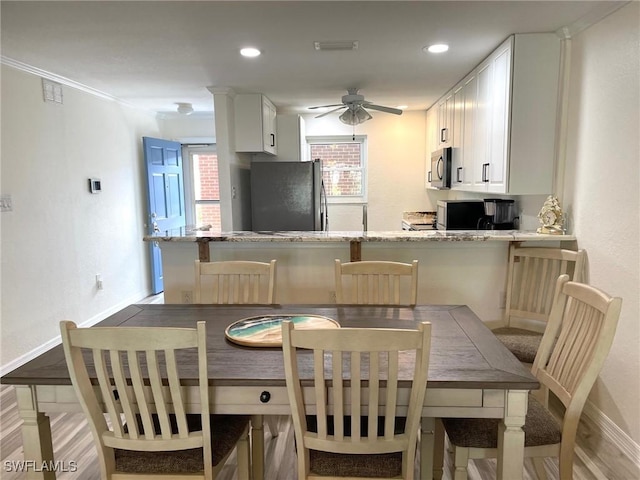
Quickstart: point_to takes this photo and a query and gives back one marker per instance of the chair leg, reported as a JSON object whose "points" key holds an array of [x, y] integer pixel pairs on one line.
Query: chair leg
{"points": [[272, 423], [243, 457], [460, 463]]}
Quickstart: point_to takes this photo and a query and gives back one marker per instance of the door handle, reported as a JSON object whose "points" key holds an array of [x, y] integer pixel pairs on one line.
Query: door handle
{"points": [[458, 172], [429, 176], [273, 139]]}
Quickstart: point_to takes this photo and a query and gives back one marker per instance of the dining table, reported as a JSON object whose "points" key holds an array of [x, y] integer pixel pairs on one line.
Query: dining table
{"points": [[471, 375]]}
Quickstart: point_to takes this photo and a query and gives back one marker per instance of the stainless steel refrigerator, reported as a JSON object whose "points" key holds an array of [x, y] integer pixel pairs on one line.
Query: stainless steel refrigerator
{"points": [[287, 196]]}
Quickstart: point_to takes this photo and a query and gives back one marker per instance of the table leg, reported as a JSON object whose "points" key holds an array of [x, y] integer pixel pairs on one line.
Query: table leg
{"points": [[511, 436], [36, 435], [427, 430], [257, 447]]}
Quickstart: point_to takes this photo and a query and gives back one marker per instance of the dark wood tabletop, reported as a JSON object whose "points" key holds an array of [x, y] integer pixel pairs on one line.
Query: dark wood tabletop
{"points": [[464, 353]]}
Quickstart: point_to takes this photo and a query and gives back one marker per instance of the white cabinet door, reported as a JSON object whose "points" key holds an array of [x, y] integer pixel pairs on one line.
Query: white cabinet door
{"points": [[255, 126], [463, 175], [482, 127], [268, 125], [498, 137], [445, 120], [457, 136]]}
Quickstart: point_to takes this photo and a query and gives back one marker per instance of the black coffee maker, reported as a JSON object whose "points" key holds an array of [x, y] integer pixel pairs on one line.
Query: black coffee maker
{"points": [[499, 214]]}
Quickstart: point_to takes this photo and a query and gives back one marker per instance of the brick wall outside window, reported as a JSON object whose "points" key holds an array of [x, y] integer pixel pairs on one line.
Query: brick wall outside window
{"points": [[206, 187], [342, 170]]}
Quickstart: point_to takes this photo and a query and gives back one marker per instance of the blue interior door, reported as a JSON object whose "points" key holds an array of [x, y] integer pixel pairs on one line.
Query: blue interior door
{"points": [[163, 159]]}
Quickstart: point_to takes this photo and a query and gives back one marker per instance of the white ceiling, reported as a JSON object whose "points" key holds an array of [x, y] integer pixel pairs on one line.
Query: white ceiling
{"points": [[152, 54]]}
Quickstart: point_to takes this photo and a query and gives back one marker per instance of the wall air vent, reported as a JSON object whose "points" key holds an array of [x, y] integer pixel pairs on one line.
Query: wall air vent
{"points": [[332, 46]]}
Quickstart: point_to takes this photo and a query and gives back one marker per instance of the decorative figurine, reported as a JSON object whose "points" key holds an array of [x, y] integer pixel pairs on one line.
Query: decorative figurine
{"points": [[551, 217]]}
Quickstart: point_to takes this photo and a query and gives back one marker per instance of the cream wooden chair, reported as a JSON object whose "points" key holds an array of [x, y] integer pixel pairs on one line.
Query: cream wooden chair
{"points": [[531, 278], [354, 430], [575, 344], [235, 282], [376, 283], [149, 431]]}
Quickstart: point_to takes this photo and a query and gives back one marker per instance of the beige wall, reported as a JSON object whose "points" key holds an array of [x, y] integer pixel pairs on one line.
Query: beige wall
{"points": [[59, 236], [602, 186]]}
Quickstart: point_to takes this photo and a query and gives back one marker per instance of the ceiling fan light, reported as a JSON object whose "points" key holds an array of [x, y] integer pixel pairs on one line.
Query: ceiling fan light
{"points": [[348, 117], [362, 115]]}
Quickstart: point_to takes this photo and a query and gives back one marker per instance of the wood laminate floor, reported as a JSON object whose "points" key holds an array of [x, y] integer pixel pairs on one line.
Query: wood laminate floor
{"points": [[595, 460]]}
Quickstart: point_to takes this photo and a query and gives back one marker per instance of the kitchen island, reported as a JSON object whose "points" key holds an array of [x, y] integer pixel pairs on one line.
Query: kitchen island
{"points": [[456, 267]]}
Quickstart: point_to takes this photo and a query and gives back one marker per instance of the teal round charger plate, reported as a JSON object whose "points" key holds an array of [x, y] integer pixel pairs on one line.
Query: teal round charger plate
{"points": [[266, 330]]}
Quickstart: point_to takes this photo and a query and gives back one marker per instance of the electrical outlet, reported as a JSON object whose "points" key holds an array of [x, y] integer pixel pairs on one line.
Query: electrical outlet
{"points": [[332, 296], [99, 284], [187, 296]]}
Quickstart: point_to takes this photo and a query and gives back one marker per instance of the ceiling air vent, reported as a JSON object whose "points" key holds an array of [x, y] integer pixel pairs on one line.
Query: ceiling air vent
{"points": [[327, 46]]}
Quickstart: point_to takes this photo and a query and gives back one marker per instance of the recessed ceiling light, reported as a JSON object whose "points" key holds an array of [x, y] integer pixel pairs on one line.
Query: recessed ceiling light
{"points": [[436, 48], [250, 52]]}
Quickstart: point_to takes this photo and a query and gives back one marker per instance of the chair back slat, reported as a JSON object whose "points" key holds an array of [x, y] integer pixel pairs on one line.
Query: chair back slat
{"points": [[376, 282], [157, 391], [142, 401], [360, 368], [108, 392], [124, 399], [177, 399], [235, 282], [531, 278]]}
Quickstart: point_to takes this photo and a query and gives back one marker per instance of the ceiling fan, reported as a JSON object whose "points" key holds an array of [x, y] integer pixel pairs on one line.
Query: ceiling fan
{"points": [[355, 112]]}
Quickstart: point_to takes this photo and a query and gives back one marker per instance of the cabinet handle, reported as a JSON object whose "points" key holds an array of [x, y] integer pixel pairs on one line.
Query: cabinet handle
{"points": [[485, 172], [458, 172], [273, 139], [443, 135], [429, 176]]}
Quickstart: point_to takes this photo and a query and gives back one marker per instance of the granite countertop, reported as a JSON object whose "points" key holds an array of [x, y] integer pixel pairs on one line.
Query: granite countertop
{"points": [[191, 234]]}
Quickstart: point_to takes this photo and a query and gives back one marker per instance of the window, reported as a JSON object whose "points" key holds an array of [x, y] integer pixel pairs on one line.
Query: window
{"points": [[344, 171], [203, 187]]}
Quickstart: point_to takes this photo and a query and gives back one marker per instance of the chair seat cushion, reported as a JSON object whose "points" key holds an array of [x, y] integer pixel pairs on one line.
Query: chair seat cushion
{"points": [[522, 343], [226, 430], [540, 428], [381, 465]]}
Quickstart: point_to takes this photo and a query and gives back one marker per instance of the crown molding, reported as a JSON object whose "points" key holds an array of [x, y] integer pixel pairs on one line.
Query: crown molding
{"points": [[24, 67]]}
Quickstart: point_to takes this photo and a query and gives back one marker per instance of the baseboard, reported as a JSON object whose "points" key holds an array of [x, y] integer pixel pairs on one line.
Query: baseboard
{"points": [[613, 433], [4, 369]]}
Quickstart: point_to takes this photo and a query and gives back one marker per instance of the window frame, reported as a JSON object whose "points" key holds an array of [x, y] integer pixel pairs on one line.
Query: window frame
{"points": [[335, 139], [189, 185]]}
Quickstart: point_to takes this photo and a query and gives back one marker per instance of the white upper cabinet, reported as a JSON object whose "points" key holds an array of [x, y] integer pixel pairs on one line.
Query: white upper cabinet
{"points": [[432, 142], [445, 120], [255, 124], [292, 142], [503, 119]]}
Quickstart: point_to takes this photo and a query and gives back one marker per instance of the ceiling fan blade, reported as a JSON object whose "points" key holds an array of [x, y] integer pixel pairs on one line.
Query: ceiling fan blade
{"points": [[325, 106], [395, 111], [331, 111]]}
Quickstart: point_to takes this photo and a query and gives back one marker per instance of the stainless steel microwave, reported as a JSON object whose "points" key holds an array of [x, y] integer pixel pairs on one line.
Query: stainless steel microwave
{"points": [[459, 214], [440, 173]]}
